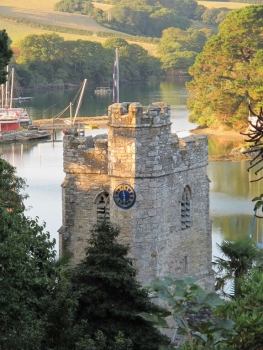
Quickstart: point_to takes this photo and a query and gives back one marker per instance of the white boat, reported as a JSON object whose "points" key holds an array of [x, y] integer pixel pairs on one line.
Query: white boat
{"points": [[11, 118], [102, 90]]}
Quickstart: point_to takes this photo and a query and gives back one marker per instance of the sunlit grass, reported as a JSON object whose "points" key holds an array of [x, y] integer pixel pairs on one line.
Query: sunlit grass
{"points": [[18, 31], [104, 7], [47, 5], [218, 4]]}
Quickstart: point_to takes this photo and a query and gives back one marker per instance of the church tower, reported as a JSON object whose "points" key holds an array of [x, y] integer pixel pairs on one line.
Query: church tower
{"points": [[149, 182]]}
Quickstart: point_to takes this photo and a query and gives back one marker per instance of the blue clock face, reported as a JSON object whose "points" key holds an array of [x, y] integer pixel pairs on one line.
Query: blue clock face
{"points": [[124, 196]]}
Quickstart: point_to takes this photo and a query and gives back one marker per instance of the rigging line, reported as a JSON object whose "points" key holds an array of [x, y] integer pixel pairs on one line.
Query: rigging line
{"points": [[60, 113], [74, 99], [94, 102]]}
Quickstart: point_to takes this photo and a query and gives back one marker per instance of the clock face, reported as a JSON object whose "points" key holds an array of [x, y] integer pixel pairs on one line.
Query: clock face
{"points": [[124, 196]]}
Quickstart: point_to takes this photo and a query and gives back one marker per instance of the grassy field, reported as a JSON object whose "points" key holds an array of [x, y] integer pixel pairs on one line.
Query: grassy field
{"points": [[230, 5], [46, 5], [104, 7]]}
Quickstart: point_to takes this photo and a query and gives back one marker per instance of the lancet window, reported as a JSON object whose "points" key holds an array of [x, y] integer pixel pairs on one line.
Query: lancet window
{"points": [[186, 209], [103, 207]]}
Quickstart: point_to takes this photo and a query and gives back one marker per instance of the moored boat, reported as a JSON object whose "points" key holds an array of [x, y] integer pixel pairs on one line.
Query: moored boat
{"points": [[11, 118], [102, 90]]}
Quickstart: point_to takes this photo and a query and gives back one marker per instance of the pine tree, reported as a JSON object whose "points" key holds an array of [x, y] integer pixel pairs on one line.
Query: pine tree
{"points": [[109, 297]]}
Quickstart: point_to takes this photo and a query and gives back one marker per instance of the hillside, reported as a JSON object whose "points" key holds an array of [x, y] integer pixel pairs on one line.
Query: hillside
{"points": [[219, 4], [41, 11]]}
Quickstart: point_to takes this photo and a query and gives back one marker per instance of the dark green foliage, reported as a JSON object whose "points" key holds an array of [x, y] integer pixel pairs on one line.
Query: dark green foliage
{"points": [[109, 298], [27, 272], [11, 187], [178, 48], [227, 74], [134, 62], [238, 258], [246, 312], [44, 56], [5, 55], [215, 16], [191, 307]]}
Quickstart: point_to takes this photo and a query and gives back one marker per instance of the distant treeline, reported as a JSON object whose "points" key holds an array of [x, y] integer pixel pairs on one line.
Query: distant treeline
{"points": [[49, 59], [84, 32], [146, 17]]}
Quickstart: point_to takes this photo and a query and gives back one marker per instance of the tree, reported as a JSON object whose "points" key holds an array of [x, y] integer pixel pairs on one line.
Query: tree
{"points": [[41, 48], [5, 55], [178, 48], [240, 257], [246, 312], [135, 64], [228, 73], [191, 308], [28, 273], [109, 298]]}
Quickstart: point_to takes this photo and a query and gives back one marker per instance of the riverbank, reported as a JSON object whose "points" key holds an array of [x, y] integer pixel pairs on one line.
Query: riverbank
{"points": [[233, 138], [230, 135]]}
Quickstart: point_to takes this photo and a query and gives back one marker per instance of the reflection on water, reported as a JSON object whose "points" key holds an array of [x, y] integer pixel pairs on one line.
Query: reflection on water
{"points": [[231, 195], [41, 164]]}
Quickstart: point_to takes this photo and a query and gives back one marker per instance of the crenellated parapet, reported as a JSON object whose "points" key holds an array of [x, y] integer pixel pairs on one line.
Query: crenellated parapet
{"points": [[167, 227], [139, 143], [193, 152], [132, 114], [86, 155]]}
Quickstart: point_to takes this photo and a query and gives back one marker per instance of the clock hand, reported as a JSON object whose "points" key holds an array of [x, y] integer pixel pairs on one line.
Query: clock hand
{"points": [[124, 198]]}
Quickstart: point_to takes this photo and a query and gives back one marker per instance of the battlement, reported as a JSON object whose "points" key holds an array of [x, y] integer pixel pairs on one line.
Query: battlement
{"points": [[168, 228], [132, 114], [85, 155]]}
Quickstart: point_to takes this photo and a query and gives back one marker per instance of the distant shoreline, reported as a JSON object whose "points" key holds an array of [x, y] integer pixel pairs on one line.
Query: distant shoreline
{"points": [[230, 135]]}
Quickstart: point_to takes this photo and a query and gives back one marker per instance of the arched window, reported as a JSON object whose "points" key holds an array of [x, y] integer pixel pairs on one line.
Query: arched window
{"points": [[102, 203], [186, 209]]}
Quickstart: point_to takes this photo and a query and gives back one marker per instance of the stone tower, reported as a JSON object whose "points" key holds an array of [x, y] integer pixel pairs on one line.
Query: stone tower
{"points": [[151, 183]]}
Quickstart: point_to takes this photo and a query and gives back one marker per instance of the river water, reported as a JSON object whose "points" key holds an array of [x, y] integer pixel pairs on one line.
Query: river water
{"points": [[41, 163]]}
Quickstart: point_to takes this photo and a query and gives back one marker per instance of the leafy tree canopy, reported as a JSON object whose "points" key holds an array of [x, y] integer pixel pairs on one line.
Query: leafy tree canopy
{"points": [[5, 54], [228, 73], [245, 310], [178, 48], [27, 267], [44, 57]]}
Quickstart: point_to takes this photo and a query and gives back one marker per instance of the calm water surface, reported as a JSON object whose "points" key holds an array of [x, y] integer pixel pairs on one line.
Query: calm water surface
{"points": [[41, 163]]}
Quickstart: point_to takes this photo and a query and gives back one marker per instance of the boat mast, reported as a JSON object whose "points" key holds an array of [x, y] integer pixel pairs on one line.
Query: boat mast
{"points": [[70, 113], [2, 95], [116, 77], [80, 99], [12, 87], [6, 88]]}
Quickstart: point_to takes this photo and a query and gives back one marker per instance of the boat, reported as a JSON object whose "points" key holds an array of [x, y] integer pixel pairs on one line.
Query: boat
{"points": [[33, 136], [21, 99], [102, 90], [12, 118]]}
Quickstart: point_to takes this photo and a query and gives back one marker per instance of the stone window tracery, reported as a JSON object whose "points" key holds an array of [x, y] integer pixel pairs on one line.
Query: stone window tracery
{"points": [[186, 209]]}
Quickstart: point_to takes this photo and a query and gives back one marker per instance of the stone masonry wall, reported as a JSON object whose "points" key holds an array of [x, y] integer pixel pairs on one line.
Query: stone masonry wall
{"points": [[141, 151]]}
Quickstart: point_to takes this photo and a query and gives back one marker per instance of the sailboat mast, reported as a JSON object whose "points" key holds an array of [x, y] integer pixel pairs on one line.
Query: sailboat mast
{"points": [[80, 99], [6, 88], [117, 63], [116, 77], [12, 87]]}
